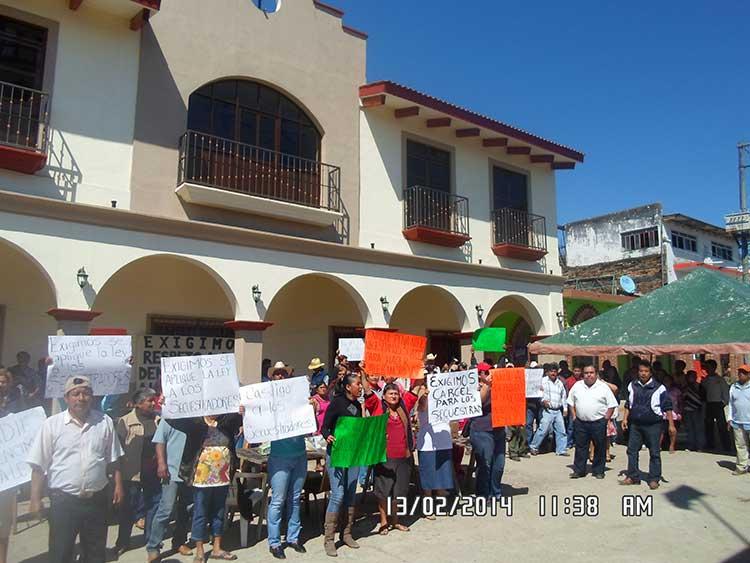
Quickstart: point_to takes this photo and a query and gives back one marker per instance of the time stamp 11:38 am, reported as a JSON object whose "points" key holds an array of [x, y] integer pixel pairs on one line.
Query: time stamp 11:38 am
{"points": [[578, 506]]}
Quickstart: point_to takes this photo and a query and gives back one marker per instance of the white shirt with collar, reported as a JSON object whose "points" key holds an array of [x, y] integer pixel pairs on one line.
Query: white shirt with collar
{"points": [[591, 403], [73, 456]]}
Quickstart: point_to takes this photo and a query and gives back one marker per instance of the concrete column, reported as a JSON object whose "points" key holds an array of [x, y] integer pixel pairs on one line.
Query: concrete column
{"points": [[248, 349], [73, 322]]}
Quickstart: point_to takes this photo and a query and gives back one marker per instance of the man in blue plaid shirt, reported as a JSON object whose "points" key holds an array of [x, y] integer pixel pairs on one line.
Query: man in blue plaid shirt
{"points": [[554, 408]]}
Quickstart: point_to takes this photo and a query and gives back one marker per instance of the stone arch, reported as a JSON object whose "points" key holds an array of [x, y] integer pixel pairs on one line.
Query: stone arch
{"points": [[584, 313], [162, 284], [27, 292], [521, 321], [307, 312]]}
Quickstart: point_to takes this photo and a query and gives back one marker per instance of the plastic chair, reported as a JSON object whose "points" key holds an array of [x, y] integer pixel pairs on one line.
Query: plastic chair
{"points": [[258, 497]]}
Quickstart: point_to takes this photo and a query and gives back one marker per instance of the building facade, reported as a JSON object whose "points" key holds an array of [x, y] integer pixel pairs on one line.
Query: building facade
{"points": [[159, 177]]}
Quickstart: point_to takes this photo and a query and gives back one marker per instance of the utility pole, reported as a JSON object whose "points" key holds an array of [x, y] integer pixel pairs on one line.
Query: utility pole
{"points": [[739, 223]]}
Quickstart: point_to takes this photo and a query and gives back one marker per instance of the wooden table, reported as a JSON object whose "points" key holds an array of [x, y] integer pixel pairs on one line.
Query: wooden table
{"points": [[254, 457]]}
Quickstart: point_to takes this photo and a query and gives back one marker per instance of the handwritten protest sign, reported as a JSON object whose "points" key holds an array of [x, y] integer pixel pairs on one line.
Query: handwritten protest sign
{"points": [[360, 441], [453, 396], [277, 409], [103, 359], [151, 348], [17, 434], [508, 397], [352, 348], [534, 383], [391, 354], [489, 339], [199, 386]]}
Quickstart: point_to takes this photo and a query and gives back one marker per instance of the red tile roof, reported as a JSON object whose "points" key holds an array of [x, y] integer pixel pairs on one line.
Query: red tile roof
{"points": [[458, 112]]}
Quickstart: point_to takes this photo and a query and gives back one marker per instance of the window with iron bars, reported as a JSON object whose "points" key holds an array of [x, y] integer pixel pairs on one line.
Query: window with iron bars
{"points": [[722, 251], [684, 242], [643, 238]]}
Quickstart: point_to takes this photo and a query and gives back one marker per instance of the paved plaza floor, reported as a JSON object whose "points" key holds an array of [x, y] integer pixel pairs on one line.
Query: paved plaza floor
{"points": [[700, 513]]}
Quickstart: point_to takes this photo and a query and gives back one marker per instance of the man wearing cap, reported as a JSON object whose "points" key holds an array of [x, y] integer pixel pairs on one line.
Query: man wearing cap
{"points": [[317, 374], [739, 417], [73, 453], [429, 364]]}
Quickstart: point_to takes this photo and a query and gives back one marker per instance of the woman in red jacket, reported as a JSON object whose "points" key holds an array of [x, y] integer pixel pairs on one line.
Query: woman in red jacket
{"points": [[392, 477]]}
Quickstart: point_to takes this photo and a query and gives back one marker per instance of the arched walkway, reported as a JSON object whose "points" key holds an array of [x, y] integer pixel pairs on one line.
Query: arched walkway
{"points": [[26, 294], [433, 312], [309, 314], [521, 321]]}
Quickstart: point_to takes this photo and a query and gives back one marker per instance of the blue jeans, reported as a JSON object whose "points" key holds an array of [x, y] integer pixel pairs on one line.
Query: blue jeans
{"points": [[570, 426], [175, 496], [287, 476], [533, 413], [551, 420], [146, 493], [209, 508], [489, 453], [343, 486]]}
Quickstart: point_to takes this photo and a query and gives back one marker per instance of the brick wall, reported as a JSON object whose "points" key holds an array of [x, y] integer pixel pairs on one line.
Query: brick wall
{"points": [[645, 271]]}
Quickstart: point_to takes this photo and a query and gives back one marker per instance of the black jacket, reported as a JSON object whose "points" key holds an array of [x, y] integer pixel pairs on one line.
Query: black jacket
{"points": [[339, 406]]}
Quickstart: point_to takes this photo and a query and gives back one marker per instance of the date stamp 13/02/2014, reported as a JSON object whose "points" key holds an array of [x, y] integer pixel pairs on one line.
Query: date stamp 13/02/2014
{"points": [[467, 506]]}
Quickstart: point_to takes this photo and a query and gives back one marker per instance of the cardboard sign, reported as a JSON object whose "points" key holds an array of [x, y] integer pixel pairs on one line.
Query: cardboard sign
{"points": [[534, 383], [390, 354], [360, 441], [151, 348], [199, 386], [352, 348], [488, 339], [453, 396], [17, 434], [508, 397], [277, 409], [103, 359]]}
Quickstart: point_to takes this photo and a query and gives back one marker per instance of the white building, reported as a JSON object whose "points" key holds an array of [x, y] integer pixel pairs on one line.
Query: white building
{"points": [[212, 180]]}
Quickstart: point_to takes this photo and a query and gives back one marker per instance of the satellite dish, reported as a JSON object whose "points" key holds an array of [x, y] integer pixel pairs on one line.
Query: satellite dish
{"points": [[627, 284], [268, 6]]}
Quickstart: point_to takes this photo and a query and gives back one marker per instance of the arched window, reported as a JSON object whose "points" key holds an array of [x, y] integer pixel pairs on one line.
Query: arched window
{"points": [[254, 114]]}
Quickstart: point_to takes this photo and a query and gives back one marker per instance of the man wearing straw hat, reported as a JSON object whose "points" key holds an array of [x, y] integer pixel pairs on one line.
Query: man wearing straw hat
{"points": [[317, 374]]}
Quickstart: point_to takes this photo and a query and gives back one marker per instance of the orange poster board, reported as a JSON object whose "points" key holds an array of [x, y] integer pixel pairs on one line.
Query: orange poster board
{"points": [[699, 371], [391, 354], [508, 397]]}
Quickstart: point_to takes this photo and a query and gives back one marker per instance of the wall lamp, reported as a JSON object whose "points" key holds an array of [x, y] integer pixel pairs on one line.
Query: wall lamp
{"points": [[256, 293], [82, 277], [560, 317], [480, 310], [384, 303]]}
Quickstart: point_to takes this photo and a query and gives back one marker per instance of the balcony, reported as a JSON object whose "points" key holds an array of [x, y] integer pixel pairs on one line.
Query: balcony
{"points": [[24, 128], [518, 234], [218, 172], [435, 217]]}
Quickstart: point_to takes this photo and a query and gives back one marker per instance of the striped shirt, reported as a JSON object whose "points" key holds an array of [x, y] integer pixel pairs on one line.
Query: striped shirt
{"points": [[554, 392]]}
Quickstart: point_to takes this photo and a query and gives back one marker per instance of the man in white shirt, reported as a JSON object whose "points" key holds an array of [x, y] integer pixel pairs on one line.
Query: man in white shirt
{"points": [[73, 453], [592, 403]]}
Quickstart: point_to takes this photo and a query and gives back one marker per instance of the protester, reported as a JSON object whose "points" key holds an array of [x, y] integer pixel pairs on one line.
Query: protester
{"points": [[208, 463], [573, 378], [77, 483], [343, 480], [630, 375], [610, 374], [717, 396], [554, 409], [692, 412], [392, 477], [739, 418], [647, 401], [487, 442], [140, 481], [176, 495], [518, 446], [680, 378], [8, 405], [676, 397], [533, 412], [25, 378], [592, 406], [287, 470], [429, 364], [435, 451], [317, 373], [658, 372], [564, 372]]}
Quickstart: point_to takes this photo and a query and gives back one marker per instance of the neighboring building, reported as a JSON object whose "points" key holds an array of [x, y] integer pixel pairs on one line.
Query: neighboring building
{"points": [[206, 169]]}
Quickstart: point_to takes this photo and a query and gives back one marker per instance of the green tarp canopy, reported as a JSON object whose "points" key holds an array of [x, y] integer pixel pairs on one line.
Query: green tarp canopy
{"points": [[706, 312]]}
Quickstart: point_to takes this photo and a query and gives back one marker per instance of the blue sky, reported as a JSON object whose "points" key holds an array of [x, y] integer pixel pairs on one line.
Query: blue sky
{"points": [[656, 93]]}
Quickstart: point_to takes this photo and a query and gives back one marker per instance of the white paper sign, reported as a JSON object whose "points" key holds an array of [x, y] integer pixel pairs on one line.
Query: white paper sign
{"points": [[277, 409], [453, 396], [352, 348], [199, 386], [103, 359], [534, 383], [17, 434]]}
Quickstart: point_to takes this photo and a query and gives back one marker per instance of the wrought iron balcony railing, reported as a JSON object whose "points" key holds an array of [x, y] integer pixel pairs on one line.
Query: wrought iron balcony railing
{"points": [[230, 165], [24, 117], [436, 209], [516, 228]]}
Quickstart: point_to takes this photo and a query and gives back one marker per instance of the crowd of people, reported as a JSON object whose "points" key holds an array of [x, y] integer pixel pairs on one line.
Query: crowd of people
{"points": [[157, 469]]}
